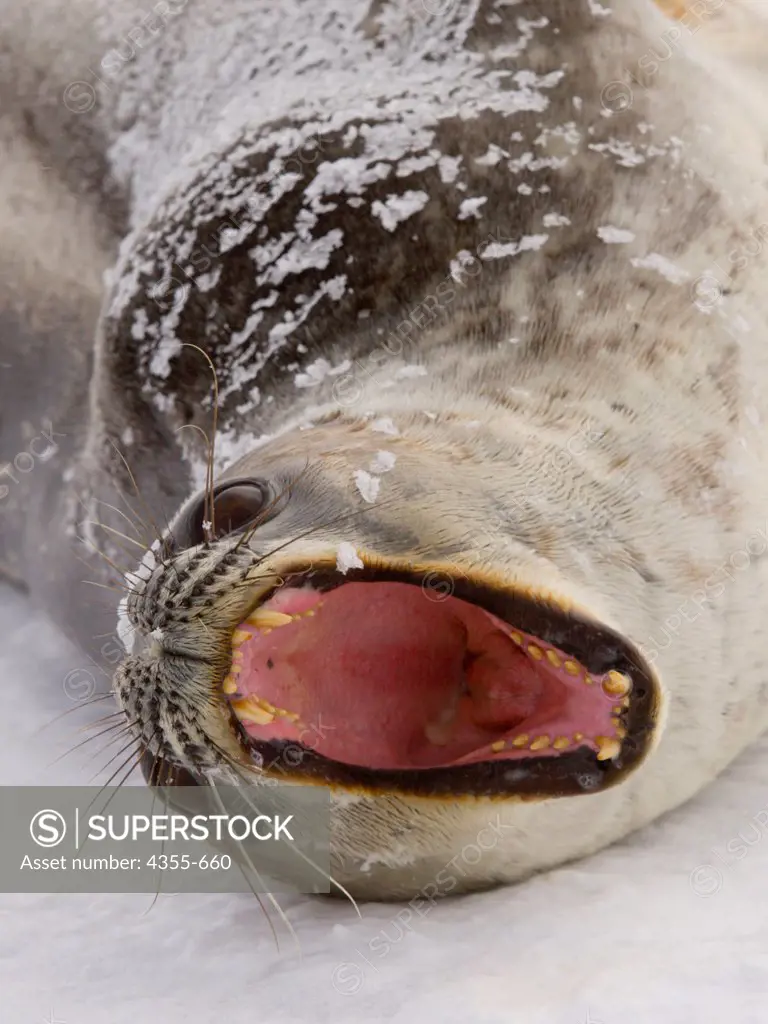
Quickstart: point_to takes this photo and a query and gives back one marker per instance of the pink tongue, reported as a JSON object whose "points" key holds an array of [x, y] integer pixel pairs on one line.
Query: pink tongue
{"points": [[380, 675]]}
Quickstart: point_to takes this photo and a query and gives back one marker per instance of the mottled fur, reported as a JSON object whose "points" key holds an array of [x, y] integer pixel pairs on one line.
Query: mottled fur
{"points": [[590, 419]]}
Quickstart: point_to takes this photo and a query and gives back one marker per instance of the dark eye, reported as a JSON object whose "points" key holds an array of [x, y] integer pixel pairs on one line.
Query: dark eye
{"points": [[237, 505]]}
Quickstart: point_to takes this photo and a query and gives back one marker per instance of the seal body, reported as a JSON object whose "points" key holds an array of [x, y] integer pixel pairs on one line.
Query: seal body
{"points": [[518, 248]]}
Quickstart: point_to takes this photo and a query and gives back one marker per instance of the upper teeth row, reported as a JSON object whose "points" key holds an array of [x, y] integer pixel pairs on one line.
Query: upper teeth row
{"points": [[614, 684]]}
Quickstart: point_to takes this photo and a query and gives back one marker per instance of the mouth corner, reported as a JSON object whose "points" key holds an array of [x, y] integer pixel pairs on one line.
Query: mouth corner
{"points": [[384, 677]]}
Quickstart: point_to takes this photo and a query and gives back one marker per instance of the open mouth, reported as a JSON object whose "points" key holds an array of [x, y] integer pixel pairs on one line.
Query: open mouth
{"points": [[379, 682]]}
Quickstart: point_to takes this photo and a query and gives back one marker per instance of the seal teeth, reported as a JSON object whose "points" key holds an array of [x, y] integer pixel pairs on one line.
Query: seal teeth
{"points": [[554, 659], [607, 748], [521, 740], [240, 636], [265, 618], [561, 743], [498, 746], [249, 710], [229, 685], [573, 668], [617, 684], [540, 743]]}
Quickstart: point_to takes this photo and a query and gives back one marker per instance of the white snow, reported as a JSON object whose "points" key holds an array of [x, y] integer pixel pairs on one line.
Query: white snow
{"points": [[384, 425], [347, 558], [382, 462], [555, 220], [613, 235], [316, 372], [663, 266], [497, 250], [409, 371], [471, 207], [367, 485], [397, 208], [619, 938]]}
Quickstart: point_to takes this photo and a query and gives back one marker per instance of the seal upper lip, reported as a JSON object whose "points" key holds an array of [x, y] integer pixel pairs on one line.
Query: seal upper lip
{"points": [[377, 683]]}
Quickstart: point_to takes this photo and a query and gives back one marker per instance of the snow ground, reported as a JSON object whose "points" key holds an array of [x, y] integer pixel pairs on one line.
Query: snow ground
{"points": [[622, 938]]}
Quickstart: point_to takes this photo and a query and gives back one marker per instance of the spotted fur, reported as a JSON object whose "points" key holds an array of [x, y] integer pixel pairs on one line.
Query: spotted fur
{"points": [[570, 373]]}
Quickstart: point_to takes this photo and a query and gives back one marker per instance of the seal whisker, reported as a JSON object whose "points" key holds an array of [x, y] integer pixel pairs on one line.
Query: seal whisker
{"points": [[134, 739], [300, 853], [142, 536], [102, 720], [80, 705], [158, 534], [106, 558], [210, 510], [132, 510], [121, 767], [116, 533], [116, 589], [252, 866], [156, 897], [120, 726]]}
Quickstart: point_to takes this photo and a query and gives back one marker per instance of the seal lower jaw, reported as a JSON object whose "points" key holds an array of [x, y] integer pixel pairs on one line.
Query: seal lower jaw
{"points": [[369, 680]]}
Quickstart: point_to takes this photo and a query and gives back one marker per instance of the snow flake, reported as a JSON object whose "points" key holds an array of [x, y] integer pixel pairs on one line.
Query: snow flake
{"points": [[367, 485], [663, 266], [396, 209], [469, 207], [497, 250], [347, 558], [385, 425], [614, 236], [382, 462]]}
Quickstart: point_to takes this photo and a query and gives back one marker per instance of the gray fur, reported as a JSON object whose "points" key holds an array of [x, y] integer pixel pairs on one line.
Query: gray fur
{"points": [[547, 329]]}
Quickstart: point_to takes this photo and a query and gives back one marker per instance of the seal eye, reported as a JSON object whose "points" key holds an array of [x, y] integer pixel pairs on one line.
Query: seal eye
{"points": [[237, 505]]}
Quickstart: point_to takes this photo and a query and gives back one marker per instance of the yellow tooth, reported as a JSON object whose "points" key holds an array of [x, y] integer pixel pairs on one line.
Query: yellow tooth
{"points": [[497, 746], [578, 737], [516, 638], [617, 684], [589, 680], [249, 711], [553, 659], [240, 636], [229, 685], [572, 668], [264, 618], [237, 656], [535, 652], [607, 748], [290, 715], [621, 732], [540, 743], [561, 743], [521, 740]]}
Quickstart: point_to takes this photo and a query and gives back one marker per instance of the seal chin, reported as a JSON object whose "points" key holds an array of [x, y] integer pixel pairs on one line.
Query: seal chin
{"points": [[376, 679]]}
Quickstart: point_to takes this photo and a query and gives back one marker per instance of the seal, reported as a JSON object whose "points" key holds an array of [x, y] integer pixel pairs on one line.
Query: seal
{"points": [[422, 434]]}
